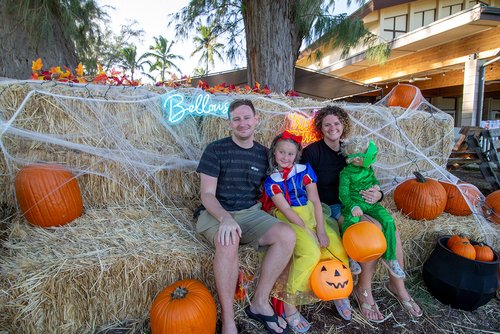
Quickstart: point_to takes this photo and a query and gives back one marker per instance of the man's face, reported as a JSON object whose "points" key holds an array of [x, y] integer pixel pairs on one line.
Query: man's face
{"points": [[242, 122]]}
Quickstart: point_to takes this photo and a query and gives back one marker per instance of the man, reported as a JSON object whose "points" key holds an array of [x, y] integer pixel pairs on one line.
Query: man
{"points": [[231, 171]]}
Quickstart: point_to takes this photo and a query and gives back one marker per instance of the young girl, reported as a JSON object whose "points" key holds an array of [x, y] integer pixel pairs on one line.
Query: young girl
{"points": [[358, 175], [292, 188]]}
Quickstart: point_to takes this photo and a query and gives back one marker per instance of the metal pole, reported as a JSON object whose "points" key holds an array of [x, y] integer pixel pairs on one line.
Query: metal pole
{"points": [[480, 90]]}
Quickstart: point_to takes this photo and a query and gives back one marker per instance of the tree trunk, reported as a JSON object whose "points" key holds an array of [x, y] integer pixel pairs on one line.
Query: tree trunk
{"points": [[272, 42], [18, 48]]}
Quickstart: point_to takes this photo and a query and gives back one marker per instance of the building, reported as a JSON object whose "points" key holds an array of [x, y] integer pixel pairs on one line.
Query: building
{"points": [[445, 47]]}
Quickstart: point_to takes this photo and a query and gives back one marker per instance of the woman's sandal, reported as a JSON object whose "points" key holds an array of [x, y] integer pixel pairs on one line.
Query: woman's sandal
{"points": [[365, 306], [294, 320], [343, 305], [408, 305]]}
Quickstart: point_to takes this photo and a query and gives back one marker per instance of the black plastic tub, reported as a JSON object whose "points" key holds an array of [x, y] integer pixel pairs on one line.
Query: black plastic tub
{"points": [[457, 281]]}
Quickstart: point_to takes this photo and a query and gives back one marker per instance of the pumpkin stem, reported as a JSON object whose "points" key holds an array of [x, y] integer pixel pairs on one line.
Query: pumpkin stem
{"points": [[179, 293], [420, 177]]}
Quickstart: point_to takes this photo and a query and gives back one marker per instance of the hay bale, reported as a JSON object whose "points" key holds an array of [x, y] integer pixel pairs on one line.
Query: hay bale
{"points": [[107, 265], [138, 183], [122, 150]]}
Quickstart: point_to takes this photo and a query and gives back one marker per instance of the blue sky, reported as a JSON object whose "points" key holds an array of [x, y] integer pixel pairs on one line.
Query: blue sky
{"points": [[152, 16]]}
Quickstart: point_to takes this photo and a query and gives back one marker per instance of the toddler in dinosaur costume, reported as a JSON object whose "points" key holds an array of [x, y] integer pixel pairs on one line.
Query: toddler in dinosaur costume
{"points": [[358, 175]]}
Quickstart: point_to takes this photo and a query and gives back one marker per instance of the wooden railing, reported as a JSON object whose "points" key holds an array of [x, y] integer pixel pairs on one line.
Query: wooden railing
{"points": [[480, 146]]}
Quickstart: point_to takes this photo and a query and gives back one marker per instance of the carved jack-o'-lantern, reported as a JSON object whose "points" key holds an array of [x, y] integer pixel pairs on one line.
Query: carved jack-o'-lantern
{"points": [[331, 279]]}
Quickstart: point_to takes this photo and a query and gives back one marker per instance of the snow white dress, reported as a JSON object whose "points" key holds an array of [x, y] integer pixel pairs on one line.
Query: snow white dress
{"points": [[296, 289]]}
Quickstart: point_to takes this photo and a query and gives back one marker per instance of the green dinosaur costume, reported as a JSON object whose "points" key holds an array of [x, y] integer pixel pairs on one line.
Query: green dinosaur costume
{"points": [[353, 179]]}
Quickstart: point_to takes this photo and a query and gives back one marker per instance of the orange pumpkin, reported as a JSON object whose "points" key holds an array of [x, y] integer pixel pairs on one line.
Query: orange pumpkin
{"points": [[331, 279], [484, 252], [492, 207], [454, 239], [48, 195], [185, 307], [458, 195], [402, 95], [464, 249], [420, 198], [364, 242]]}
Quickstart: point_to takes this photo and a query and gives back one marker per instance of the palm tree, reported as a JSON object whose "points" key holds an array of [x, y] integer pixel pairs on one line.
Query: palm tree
{"points": [[272, 32], [199, 72], [129, 60], [206, 43], [163, 58]]}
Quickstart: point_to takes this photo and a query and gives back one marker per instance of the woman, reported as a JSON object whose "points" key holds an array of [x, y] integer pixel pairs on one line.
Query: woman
{"points": [[332, 124]]}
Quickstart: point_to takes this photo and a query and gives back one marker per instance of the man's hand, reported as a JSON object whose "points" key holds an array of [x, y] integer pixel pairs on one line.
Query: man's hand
{"points": [[228, 230]]}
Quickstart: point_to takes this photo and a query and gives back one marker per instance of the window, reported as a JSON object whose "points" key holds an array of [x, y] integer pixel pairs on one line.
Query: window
{"points": [[452, 9], [449, 106], [395, 26], [424, 17], [472, 3]]}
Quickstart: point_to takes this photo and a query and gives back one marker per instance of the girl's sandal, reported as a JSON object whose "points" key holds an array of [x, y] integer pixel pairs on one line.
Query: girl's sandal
{"points": [[343, 305], [408, 305], [295, 320], [365, 306]]}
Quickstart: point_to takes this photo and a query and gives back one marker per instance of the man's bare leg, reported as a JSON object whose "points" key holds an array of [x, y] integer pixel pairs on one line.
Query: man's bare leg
{"points": [[280, 240], [226, 275]]}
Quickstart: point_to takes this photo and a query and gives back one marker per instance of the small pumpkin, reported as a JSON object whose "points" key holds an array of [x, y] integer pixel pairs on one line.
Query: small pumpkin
{"points": [[48, 195], [402, 95], [185, 307], [458, 196], [484, 252], [420, 198], [492, 207], [454, 239], [464, 249], [364, 242], [331, 279]]}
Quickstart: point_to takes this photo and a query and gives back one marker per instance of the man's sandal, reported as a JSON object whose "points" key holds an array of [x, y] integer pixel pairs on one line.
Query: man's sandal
{"points": [[365, 306], [408, 305], [265, 319]]}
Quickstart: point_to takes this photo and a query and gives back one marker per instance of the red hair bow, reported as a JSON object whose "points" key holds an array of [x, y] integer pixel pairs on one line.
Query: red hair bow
{"points": [[288, 135]]}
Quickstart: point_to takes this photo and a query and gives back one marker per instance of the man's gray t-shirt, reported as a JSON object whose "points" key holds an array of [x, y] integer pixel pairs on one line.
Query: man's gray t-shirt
{"points": [[240, 172]]}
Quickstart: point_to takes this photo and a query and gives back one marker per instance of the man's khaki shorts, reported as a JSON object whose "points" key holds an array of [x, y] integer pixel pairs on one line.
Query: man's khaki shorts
{"points": [[254, 223]]}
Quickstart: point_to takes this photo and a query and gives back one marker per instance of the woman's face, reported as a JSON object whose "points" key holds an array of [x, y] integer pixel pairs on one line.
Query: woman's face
{"points": [[332, 128]]}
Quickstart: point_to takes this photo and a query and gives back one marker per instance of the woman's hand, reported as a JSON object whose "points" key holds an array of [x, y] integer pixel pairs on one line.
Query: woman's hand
{"points": [[371, 195]]}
